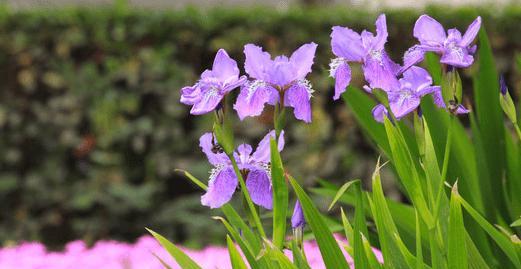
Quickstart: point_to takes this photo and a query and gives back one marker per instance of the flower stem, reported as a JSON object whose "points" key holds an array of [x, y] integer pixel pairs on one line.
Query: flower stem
{"points": [[247, 196], [518, 131]]}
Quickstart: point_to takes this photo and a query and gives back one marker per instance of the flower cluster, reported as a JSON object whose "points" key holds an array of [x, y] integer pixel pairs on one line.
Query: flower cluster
{"points": [[405, 85]]}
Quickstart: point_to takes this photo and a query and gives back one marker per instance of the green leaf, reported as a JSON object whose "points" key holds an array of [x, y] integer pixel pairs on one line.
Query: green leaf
{"points": [[516, 223], [193, 179], [277, 255], [457, 250], [180, 257], [162, 262], [501, 240], [360, 230], [224, 134], [235, 256], [331, 254], [341, 192], [280, 196], [298, 256]]}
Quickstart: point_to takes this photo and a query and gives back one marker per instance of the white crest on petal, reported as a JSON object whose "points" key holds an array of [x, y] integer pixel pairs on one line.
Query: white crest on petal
{"points": [[306, 84], [334, 64], [253, 86]]}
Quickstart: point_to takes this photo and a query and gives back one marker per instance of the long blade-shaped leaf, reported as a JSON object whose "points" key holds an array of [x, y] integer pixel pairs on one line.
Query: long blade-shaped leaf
{"points": [[331, 254], [235, 256], [280, 196], [180, 257], [457, 252]]}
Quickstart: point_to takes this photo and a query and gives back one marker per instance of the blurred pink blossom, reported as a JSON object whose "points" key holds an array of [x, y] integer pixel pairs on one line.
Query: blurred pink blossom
{"points": [[117, 255]]}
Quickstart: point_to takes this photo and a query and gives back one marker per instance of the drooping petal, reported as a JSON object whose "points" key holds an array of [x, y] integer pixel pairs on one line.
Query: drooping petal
{"points": [[438, 99], [221, 187], [381, 33], [210, 98], [429, 31], [263, 153], [259, 187], [208, 144], [411, 57], [429, 90], [380, 71], [402, 103], [297, 219], [347, 44], [253, 97], [302, 59], [457, 57], [242, 155], [471, 33], [257, 61], [379, 113], [224, 67], [416, 78], [190, 95], [342, 77], [298, 97], [233, 84]]}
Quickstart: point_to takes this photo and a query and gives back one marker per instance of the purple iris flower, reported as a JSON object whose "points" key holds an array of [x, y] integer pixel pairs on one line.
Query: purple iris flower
{"points": [[415, 84], [255, 168], [379, 70], [214, 84], [281, 77], [297, 220], [455, 50]]}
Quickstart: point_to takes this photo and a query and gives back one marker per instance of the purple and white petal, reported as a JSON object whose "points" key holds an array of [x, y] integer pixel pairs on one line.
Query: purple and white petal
{"points": [[297, 219], [438, 99], [429, 31], [403, 102], [259, 187], [228, 87], [224, 67], [257, 61], [210, 98], [302, 59], [380, 113], [190, 95], [380, 71], [471, 33], [253, 97], [461, 110], [429, 90], [207, 142], [457, 57], [342, 74], [347, 44], [411, 57], [282, 72], [298, 96], [221, 187], [263, 153]]}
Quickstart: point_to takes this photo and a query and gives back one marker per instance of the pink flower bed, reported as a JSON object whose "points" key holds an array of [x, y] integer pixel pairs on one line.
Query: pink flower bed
{"points": [[116, 255]]}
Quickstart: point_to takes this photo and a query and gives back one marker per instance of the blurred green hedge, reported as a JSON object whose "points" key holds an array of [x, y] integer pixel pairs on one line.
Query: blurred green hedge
{"points": [[92, 129]]}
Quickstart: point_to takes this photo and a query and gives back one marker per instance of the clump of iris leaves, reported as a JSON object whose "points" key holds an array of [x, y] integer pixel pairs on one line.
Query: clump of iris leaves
{"points": [[464, 184]]}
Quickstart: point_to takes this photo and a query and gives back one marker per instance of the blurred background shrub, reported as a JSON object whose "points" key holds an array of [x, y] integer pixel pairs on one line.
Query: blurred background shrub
{"points": [[92, 129]]}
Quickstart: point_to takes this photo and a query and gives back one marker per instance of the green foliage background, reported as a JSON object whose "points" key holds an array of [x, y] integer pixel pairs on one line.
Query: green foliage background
{"points": [[92, 129]]}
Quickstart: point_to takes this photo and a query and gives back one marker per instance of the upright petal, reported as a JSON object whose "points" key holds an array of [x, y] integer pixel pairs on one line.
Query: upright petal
{"points": [[259, 187], [416, 78], [298, 96], [224, 67], [221, 187], [412, 56], [297, 219], [347, 44], [342, 77], [242, 155], [379, 113], [257, 61], [429, 31], [282, 72], [230, 85], [381, 33], [471, 32], [302, 59], [263, 153], [253, 97], [208, 144]]}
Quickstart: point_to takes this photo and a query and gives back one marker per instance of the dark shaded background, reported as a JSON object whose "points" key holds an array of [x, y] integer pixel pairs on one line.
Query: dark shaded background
{"points": [[92, 129]]}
